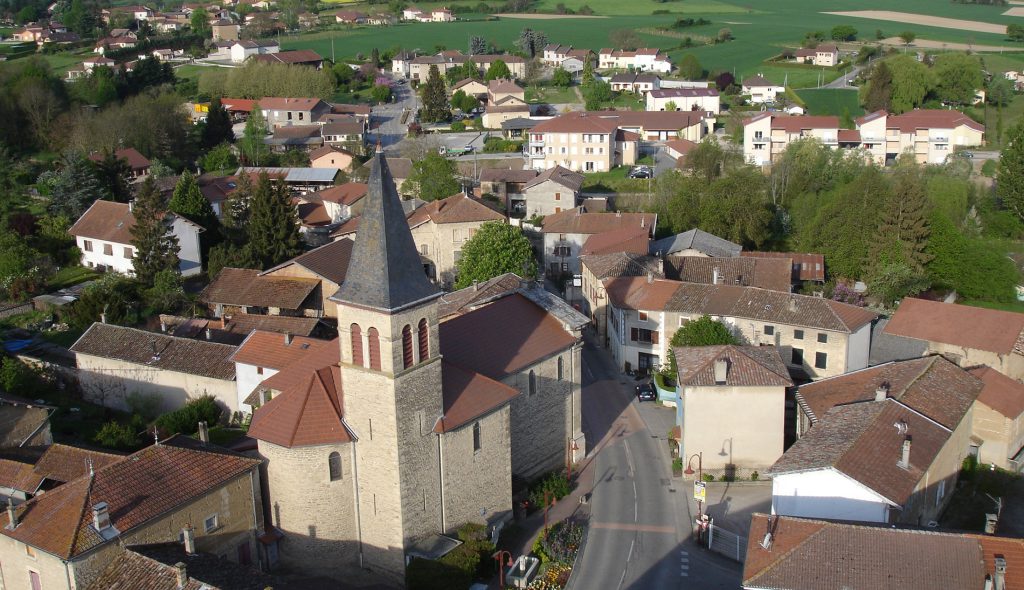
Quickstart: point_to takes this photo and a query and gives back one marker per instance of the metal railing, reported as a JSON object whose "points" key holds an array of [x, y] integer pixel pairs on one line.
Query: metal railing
{"points": [[726, 543]]}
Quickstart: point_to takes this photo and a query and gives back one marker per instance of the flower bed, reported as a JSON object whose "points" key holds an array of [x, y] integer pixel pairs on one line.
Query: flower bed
{"points": [[557, 548]]}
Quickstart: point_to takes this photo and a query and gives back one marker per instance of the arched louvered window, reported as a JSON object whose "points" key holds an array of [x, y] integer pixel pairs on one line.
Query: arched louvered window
{"points": [[407, 358], [373, 343], [476, 437], [334, 465], [424, 336], [533, 383], [561, 369], [357, 344]]}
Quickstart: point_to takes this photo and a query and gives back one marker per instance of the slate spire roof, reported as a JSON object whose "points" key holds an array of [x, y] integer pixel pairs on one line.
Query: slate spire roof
{"points": [[385, 272]]}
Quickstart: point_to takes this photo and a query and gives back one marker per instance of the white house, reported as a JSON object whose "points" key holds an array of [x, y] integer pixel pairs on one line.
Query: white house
{"points": [[263, 354], [242, 50], [761, 90], [685, 99], [643, 59], [103, 235]]}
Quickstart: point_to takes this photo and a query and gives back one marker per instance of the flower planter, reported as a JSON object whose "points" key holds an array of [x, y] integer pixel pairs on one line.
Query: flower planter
{"points": [[522, 571]]}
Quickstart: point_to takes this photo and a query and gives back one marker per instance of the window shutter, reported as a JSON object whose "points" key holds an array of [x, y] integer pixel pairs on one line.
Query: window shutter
{"points": [[654, 337], [634, 334]]}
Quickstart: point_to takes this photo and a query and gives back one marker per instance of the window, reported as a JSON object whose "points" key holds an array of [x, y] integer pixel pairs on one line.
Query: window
{"points": [[476, 437], [424, 250], [820, 360], [373, 343], [822, 337], [259, 370], [561, 368], [407, 359], [424, 336], [642, 335], [87, 244], [210, 524], [128, 253], [562, 251], [940, 492], [769, 330], [108, 249], [357, 344], [798, 357], [532, 384], [33, 578], [798, 334], [334, 466], [301, 115], [565, 267], [558, 196], [643, 315], [30, 551], [289, 115]]}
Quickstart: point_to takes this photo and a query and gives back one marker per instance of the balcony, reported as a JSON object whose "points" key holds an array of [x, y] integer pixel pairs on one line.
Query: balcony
{"points": [[939, 139]]}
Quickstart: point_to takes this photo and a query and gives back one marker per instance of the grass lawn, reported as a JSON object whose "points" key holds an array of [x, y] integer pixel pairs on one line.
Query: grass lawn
{"points": [[831, 101], [644, 7], [71, 275], [1010, 114], [626, 101], [551, 94], [62, 62], [614, 180], [1017, 306], [190, 72]]}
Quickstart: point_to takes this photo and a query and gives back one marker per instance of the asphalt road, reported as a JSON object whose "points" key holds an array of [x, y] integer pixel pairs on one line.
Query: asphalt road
{"points": [[844, 80], [386, 120], [640, 533]]}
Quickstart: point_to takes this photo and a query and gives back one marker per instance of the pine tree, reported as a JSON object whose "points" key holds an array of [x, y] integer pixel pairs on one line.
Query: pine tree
{"points": [[477, 45], [879, 89], [902, 236], [274, 224], [114, 174], [189, 202], [156, 248], [435, 99], [236, 212], [75, 187], [218, 126]]}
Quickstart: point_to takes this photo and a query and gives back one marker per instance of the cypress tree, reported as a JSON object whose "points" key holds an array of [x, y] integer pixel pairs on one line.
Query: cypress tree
{"points": [[879, 90], [903, 233], [156, 248], [273, 224], [218, 126], [1010, 175], [435, 99]]}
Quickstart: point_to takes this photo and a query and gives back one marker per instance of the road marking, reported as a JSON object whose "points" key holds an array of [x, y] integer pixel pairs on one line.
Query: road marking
{"points": [[622, 579], [684, 565], [630, 556], [643, 528]]}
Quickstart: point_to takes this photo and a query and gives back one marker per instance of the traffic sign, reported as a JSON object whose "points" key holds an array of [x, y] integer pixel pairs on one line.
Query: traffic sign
{"points": [[699, 491]]}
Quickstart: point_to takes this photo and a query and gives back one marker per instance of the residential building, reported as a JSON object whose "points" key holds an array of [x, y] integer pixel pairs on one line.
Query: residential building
{"points": [[817, 337], [103, 235], [65, 538], [761, 90], [264, 354], [968, 336], [678, 149], [114, 44], [472, 87], [685, 99], [885, 444], [929, 134], [138, 163], [552, 191], [785, 553], [136, 13], [635, 83], [440, 229], [299, 180], [566, 232], [695, 242], [825, 55], [299, 57], [245, 291], [731, 406], [349, 17], [807, 267], [327, 264], [998, 428], [766, 135], [344, 131], [567, 58], [239, 51], [764, 273], [301, 137], [235, 328], [331, 156], [177, 566], [224, 30], [340, 202], [116, 363], [506, 100], [281, 112], [643, 60], [26, 422], [418, 67], [507, 185], [595, 268], [411, 426]]}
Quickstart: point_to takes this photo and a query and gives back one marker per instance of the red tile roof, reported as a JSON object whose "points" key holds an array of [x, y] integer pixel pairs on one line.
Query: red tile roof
{"points": [[156, 351], [958, 325], [329, 149], [241, 105], [528, 335], [137, 161], [329, 262], [65, 463], [107, 221], [269, 349], [637, 292], [767, 273], [806, 266], [19, 476], [288, 104], [911, 121], [999, 392], [469, 395], [310, 413], [557, 174], [454, 209], [146, 485], [579, 221], [632, 240], [747, 366], [797, 123], [244, 286], [609, 121]]}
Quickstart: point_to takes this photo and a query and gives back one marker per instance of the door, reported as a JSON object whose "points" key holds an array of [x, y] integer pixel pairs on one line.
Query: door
{"points": [[244, 554], [33, 578]]}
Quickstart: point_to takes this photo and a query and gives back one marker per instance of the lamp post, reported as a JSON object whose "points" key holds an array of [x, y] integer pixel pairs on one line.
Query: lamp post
{"points": [[700, 474], [502, 565], [570, 448], [548, 504]]}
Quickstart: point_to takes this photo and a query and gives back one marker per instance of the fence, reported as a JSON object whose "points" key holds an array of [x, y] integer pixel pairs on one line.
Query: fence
{"points": [[726, 542]]}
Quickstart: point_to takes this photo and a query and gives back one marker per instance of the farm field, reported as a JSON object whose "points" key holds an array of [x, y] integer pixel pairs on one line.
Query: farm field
{"points": [[831, 101]]}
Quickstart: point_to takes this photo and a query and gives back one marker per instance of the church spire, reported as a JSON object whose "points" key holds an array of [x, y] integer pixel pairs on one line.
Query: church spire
{"points": [[385, 272]]}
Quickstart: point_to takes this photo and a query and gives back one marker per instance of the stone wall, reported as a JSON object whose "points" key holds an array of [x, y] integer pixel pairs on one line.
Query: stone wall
{"points": [[24, 426], [478, 484]]}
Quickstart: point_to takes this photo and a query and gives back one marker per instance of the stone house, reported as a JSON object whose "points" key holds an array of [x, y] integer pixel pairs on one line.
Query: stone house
{"points": [[408, 426], [807, 266], [26, 422], [264, 354], [248, 291], [999, 420], [282, 112], [506, 185], [695, 242], [968, 336], [883, 445], [65, 538], [731, 406], [552, 191], [225, 30], [328, 265], [816, 337], [595, 268], [566, 232], [440, 228], [103, 235], [116, 363], [178, 566]]}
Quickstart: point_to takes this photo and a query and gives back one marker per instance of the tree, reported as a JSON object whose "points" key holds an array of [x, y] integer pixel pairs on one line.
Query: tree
{"points": [[432, 178], [968, 265], [708, 160], [958, 77], [626, 39], [878, 90], [273, 225], [381, 93], [587, 77], [220, 158], [189, 202], [114, 175], [703, 331], [464, 102], [561, 78], [911, 83], [1010, 175], [498, 71], [531, 42], [21, 273], [844, 33], [156, 248], [435, 100], [533, 71], [496, 249], [1000, 91], [596, 94], [477, 45], [74, 187], [907, 37], [671, 106], [724, 34], [200, 23], [218, 128], [724, 80], [254, 151], [895, 280], [902, 235], [690, 68], [112, 296], [1015, 32], [375, 57]]}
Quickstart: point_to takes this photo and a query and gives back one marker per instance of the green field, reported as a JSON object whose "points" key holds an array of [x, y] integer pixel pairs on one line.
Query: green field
{"points": [[636, 7], [831, 101], [551, 95]]}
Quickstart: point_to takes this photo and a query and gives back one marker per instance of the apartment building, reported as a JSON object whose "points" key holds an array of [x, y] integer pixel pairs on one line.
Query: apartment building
{"points": [[815, 336], [766, 135], [684, 99], [643, 59], [418, 67], [566, 233], [930, 134]]}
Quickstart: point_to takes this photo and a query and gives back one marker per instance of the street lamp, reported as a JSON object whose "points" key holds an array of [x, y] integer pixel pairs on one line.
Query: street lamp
{"points": [[700, 475], [502, 565]]}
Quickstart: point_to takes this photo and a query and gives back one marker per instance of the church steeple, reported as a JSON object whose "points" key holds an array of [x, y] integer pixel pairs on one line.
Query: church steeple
{"points": [[385, 272]]}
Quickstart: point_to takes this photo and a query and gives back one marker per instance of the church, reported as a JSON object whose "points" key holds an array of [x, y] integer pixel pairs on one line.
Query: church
{"points": [[418, 418]]}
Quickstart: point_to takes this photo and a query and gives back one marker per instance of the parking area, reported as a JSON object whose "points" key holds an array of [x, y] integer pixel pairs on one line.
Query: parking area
{"points": [[459, 141]]}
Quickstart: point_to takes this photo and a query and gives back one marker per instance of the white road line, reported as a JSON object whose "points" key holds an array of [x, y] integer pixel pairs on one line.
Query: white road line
{"points": [[622, 579], [630, 556]]}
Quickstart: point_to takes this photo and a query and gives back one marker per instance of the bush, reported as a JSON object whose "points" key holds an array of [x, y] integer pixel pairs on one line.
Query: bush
{"points": [[709, 477], [458, 126], [563, 541], [755, 476], [495, 145], [114, 435], [538, 548], [989, 168], [186, 420], [426, 574], [554, 483]]}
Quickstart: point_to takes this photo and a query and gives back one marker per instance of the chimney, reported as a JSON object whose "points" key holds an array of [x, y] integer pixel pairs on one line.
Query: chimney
{"points": [[882, 392], [643, 221], [714, 276], [100, 516], [650, 278], [182, 574], [103, 317], [476, 286], [721, 371], [189, 538], [204, 432], [792, 304], [905, 457], [131, 206], [221, 320], [209, 332], [287, 338], [12, 517], [999, 580], [163, 325]]}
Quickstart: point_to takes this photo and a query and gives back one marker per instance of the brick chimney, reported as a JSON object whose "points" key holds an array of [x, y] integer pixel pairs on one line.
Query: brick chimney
{"points": [[182, 574], [721, 371], [189, 538], [100, 516], [12, 517], [882, 391], [905, 455]]}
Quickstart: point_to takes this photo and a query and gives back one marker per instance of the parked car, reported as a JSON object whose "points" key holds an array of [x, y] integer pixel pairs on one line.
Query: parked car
{"points": [[645, 392], [641, 172]]}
